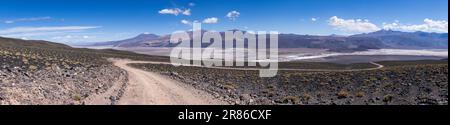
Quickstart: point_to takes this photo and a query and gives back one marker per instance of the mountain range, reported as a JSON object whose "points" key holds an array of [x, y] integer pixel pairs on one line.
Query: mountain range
{"points": [[360, 42]]}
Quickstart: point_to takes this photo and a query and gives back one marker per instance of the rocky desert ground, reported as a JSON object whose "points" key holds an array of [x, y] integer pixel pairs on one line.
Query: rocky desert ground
{"points": [[397, 83], [45, 73]]}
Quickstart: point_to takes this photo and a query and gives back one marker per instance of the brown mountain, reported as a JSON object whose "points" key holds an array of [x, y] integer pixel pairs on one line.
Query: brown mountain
{"points": [[360, 42]]}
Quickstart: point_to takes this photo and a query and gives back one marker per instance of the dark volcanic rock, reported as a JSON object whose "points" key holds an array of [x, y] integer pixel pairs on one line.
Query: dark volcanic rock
{"points": [[402, 83]]}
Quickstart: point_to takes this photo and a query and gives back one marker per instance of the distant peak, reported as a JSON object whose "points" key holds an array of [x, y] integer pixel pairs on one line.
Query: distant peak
{"points": [[336, 35], [386, 31], [235, 30], [147, 36]]}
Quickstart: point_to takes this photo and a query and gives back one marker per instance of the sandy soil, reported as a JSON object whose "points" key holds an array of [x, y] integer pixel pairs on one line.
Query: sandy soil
{"points": [[147, 88]]}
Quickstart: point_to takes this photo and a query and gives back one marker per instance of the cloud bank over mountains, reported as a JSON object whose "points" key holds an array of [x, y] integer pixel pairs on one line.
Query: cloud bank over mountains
{"points": [[429, 25], [354, 26]]}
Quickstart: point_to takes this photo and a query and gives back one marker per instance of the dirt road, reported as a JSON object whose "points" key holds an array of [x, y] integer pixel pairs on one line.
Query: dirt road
{"points": [[378, 66], [147, 88]]}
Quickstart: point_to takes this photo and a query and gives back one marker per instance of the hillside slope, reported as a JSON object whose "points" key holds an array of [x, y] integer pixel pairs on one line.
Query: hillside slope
{"points": [[41, 72], [360, 42]]}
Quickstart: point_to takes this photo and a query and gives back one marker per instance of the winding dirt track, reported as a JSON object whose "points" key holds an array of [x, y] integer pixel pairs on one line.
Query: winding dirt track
{"points": [[379, 66], [147, 88]]}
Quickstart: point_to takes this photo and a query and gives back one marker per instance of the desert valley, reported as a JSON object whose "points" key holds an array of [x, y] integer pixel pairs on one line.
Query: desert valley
{"points": [[325, 70]]}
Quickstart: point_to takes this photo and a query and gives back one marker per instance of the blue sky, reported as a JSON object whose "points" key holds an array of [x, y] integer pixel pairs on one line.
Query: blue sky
{"points": [[75, 21]]}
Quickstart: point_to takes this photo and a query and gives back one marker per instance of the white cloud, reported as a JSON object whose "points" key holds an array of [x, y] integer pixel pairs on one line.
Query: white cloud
{"points": [[207, 20], [191, 4], [27, 19], [9, 21], [71, 37], [170, 11], [429, 25], [233, 15], [175, 11], [35, 34], [314, 19], [19, 30], [211, 20], [187, 22], [352, 25], [187, 12]]}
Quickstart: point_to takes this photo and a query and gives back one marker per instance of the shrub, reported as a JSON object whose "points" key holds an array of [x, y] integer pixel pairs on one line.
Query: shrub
{"points": [[32, 67], [388, 98], [306, 96], [360, 94], [228, 87], [342, 94], [77, 97], [292, 99]]}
